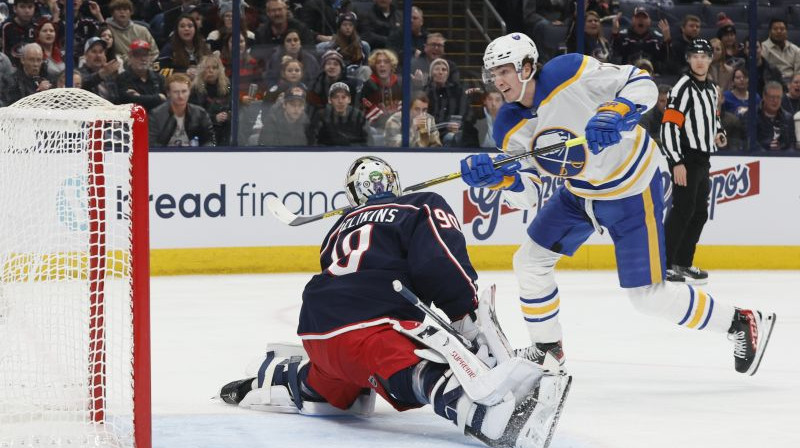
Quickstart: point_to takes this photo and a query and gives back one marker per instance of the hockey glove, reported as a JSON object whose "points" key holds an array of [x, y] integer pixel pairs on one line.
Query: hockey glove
{"points": [[468, 328], [612, 118], [478, 171]]}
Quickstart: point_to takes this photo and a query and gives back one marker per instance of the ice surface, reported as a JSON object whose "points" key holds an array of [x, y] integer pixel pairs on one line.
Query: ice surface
{"points": [[638, 382]]}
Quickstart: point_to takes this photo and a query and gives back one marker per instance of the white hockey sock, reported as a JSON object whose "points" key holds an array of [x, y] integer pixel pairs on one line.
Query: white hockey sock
{"points": [[539, 297], [685, 305]]}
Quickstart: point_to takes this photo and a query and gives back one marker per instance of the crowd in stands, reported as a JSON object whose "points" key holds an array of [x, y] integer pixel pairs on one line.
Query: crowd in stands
{"points": [[327, 72]]}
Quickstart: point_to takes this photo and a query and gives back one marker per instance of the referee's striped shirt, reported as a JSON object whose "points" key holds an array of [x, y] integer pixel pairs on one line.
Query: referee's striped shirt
{"points": [[690, 120]]}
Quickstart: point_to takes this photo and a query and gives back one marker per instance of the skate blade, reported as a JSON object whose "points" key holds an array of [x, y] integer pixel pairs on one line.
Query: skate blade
{"points": [[768, 322]]}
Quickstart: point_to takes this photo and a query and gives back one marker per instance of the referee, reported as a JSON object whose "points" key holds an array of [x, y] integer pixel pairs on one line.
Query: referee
{"points": [[690, 131]]}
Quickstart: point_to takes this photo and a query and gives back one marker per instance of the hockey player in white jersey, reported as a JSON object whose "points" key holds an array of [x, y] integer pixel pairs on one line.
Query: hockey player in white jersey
{"points": [[612, 182]]}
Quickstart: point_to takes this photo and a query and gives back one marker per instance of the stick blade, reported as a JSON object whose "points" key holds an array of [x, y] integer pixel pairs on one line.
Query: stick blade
{"points": [[279, 211]]}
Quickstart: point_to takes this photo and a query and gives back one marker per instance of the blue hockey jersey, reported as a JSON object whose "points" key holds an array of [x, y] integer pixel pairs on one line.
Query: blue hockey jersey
{"points": [[414, 238]]}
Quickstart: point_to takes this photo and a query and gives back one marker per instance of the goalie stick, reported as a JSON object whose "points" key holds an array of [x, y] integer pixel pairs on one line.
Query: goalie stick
{"points": [[279, 210], [414, 300]]}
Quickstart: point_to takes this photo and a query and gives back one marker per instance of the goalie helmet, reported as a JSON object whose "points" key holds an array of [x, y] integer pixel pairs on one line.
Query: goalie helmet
{"points": [[370, 177], [514, 48]]}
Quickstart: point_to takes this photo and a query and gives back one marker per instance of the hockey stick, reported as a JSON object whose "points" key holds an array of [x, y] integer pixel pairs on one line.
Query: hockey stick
{"points": [[279, 210], [414, 300]]}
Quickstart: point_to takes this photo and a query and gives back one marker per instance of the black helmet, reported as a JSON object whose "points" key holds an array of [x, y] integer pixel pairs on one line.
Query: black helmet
{"points": [[700, 46]]}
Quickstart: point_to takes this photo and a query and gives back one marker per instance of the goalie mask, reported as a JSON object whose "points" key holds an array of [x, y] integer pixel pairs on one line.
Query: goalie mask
{"points": [[370, 177]]}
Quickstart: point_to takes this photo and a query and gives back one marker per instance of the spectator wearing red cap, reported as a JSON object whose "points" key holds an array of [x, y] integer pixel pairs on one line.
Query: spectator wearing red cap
{"points": [[98, 74], [640, 41], [125, 30], [347, 42], [139, 83], [178, 122]]}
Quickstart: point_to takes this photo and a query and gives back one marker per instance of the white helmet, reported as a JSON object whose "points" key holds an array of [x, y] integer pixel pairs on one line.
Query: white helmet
{"points": [[370, 176], [514, 48]]}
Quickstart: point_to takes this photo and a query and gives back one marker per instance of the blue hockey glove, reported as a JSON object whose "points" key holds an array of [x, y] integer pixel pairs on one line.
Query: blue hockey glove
{"points": [[612, 117], [478, 171]]}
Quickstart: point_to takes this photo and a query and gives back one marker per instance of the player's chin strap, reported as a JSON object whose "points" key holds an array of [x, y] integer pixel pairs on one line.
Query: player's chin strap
{"points": [[524, 84]]}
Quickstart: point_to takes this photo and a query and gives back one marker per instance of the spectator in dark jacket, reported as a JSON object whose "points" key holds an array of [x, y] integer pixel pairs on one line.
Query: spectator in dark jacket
{"points": [[286, 123], [775, 125], [641, 42], [347, 42], [332, 72], [379, 22], [651, 120], [177, 122], [211, 90], [448, 104], [419, 35], [18, 29], [99, 75], [184, 50], [421, 65], [690, 30], [139, 83], [339, 124], [272, 32], [292, 46], [28, 78]]}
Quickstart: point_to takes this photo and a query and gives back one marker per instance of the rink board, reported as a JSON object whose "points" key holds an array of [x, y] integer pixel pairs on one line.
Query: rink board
{"points": [[208, 214]]}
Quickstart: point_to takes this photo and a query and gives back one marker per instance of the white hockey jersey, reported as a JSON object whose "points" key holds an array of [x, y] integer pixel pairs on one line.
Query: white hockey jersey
{"points": [[568, 91]]}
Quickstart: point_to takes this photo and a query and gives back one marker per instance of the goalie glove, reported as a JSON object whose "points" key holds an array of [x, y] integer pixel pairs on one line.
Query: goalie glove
{"points": [[468, 328], [478, 171], [612, 118]]}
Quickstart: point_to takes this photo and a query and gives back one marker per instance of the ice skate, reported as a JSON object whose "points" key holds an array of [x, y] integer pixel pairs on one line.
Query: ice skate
{"points": [[549, 355], [750, 332], [674, 276], [692, 275]]}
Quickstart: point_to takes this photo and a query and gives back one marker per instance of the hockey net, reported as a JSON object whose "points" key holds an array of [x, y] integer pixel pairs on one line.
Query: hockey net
{"points": [[74, 268]]}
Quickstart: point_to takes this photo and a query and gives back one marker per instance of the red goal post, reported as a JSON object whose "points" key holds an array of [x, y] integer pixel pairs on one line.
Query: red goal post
{"points": [[74, 272]]}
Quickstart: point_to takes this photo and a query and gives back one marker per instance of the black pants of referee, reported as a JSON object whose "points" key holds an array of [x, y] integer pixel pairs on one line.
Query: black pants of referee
{"points": [[689, 212]]}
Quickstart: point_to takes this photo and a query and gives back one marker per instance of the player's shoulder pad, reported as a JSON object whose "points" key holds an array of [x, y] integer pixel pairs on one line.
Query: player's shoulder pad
{"points": [[508, 117], [558, 72]]}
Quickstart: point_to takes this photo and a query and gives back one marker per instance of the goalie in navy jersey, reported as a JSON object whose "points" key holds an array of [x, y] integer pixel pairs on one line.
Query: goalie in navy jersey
{"points": [[361, 338]]}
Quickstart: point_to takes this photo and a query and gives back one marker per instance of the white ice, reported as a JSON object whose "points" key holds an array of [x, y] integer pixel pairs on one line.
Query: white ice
{"points": [[638, 381]]}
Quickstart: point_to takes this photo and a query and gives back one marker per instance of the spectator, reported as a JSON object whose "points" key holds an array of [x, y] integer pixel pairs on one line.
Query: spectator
{"points": [[215, 37], [651, 120], [775, 125], [28, 78], [594, 43], [480, 133], [645, 65], [250, 88], [292, 46], [139, 83], [51, 49], [732, 49], [347, 42], [738, 97], [422, 129], [447, 103], [379, 22], [99, 75], [291, 76], [779, 52], [421, 65], [211, 90], [111, 53], [272, 32], [61, 82], [320, 17], [382, 94], [286, 123], [332, 72], [640, 42], [690, 30], [18, 29], [177, 122], [733, 126], [184, 50], [6, 67], [719, 71], [791, 101], [340, 124], [88, 18], [766, 72], [125, 30], [419, 35]]}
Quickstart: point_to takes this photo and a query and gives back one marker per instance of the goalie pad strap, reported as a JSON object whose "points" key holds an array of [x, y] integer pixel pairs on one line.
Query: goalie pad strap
{"points": [[263, 369]]}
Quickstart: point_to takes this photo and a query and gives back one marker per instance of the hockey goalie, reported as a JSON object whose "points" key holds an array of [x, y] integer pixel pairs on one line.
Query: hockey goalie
{"points": [[361, 338]]}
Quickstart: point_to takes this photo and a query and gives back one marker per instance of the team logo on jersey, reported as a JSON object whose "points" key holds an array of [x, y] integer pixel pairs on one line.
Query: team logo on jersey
{"points": [[567, 162]]}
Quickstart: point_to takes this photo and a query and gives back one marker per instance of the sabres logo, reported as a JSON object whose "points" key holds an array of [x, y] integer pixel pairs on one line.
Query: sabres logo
{"points": [[567, 162]]}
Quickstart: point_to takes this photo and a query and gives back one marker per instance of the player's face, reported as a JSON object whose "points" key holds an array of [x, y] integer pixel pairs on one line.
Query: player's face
{"points": [[699, 63], [507, 81], [178, 94]]}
